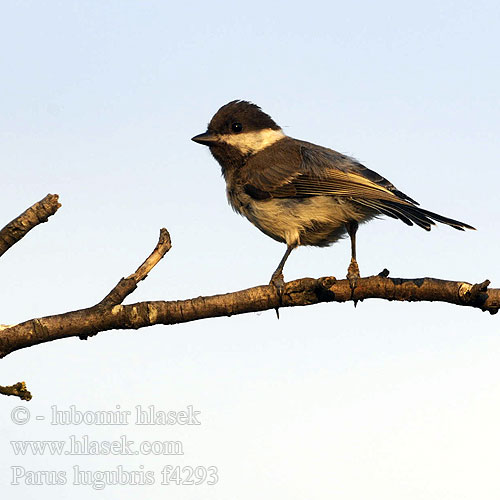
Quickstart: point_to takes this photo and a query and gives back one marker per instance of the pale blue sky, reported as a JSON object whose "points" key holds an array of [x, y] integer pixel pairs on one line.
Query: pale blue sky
{"points": [[388, 400]]}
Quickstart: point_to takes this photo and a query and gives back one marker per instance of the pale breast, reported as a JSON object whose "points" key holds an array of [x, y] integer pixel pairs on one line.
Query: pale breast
{"points": [[317, 221]]}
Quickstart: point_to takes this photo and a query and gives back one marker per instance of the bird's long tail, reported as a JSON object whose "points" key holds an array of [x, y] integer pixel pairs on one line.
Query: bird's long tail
{"points": [[410, 214]]}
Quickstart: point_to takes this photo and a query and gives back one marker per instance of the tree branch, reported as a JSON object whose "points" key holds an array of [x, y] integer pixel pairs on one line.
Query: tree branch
{"points": [[127, 285], [22, 224], [302, 292], [39, 213], [109, 314], [9, 236]]}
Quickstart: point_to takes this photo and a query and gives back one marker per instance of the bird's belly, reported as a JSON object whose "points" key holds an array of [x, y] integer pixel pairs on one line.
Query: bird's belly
{"points": [[317, 221]]}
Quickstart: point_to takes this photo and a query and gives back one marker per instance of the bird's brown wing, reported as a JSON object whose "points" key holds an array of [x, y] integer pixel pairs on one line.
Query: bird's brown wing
{"points": [[297, 169], [317, 159]]}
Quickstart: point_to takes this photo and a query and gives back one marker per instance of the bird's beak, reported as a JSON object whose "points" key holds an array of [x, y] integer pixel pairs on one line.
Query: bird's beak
{"points": [[206, 138]]}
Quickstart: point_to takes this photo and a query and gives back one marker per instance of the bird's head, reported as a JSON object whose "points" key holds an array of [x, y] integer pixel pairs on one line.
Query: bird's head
{"points": [[239, 129]]}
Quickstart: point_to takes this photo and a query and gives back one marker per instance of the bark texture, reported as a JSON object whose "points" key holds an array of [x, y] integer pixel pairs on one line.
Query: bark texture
{"points": [[303, 292], [22, 224]]}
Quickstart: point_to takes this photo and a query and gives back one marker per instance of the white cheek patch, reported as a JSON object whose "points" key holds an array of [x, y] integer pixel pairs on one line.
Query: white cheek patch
{"points": [[253, 142]]}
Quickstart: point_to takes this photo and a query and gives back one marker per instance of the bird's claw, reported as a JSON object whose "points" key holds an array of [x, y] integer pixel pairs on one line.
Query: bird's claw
{"points": [[353, 274], [278, 281]]}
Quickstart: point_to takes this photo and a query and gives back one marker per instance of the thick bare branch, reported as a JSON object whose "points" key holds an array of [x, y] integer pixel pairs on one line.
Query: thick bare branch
{"points": [[306, 291], [22, 224]]}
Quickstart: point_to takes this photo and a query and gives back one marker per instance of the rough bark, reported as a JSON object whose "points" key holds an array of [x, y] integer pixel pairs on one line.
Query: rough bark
{"points": [[302, 292], [22, 224]]}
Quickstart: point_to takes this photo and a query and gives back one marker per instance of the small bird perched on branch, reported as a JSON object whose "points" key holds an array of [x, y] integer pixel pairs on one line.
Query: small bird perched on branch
{"points": [[299, 193]]}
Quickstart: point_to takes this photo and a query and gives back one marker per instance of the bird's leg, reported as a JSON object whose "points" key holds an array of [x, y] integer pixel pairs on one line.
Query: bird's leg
{"points": [[277, 277], [353, 269]]}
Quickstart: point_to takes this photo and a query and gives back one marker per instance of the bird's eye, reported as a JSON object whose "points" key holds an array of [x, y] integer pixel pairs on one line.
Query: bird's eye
{"points": [[236, 127]]}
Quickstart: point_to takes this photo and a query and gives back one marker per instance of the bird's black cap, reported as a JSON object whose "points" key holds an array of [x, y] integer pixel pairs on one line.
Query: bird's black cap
{"points": [[234, 117], [244, 112]]}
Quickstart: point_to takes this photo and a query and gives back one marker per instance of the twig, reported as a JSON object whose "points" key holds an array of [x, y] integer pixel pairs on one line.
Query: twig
{"points": [[127, 285], [18, 390], [30, 218]]}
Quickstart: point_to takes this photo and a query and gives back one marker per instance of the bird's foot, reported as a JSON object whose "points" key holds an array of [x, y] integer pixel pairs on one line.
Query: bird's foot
{"points": [[278, 281], [353, 273]]}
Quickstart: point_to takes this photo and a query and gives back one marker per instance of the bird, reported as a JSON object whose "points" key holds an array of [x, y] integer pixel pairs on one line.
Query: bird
{"points": [[299, 193]]}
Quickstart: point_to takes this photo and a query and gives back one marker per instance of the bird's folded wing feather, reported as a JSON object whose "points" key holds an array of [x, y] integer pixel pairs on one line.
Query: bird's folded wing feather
{"points": [[298, 169]]}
